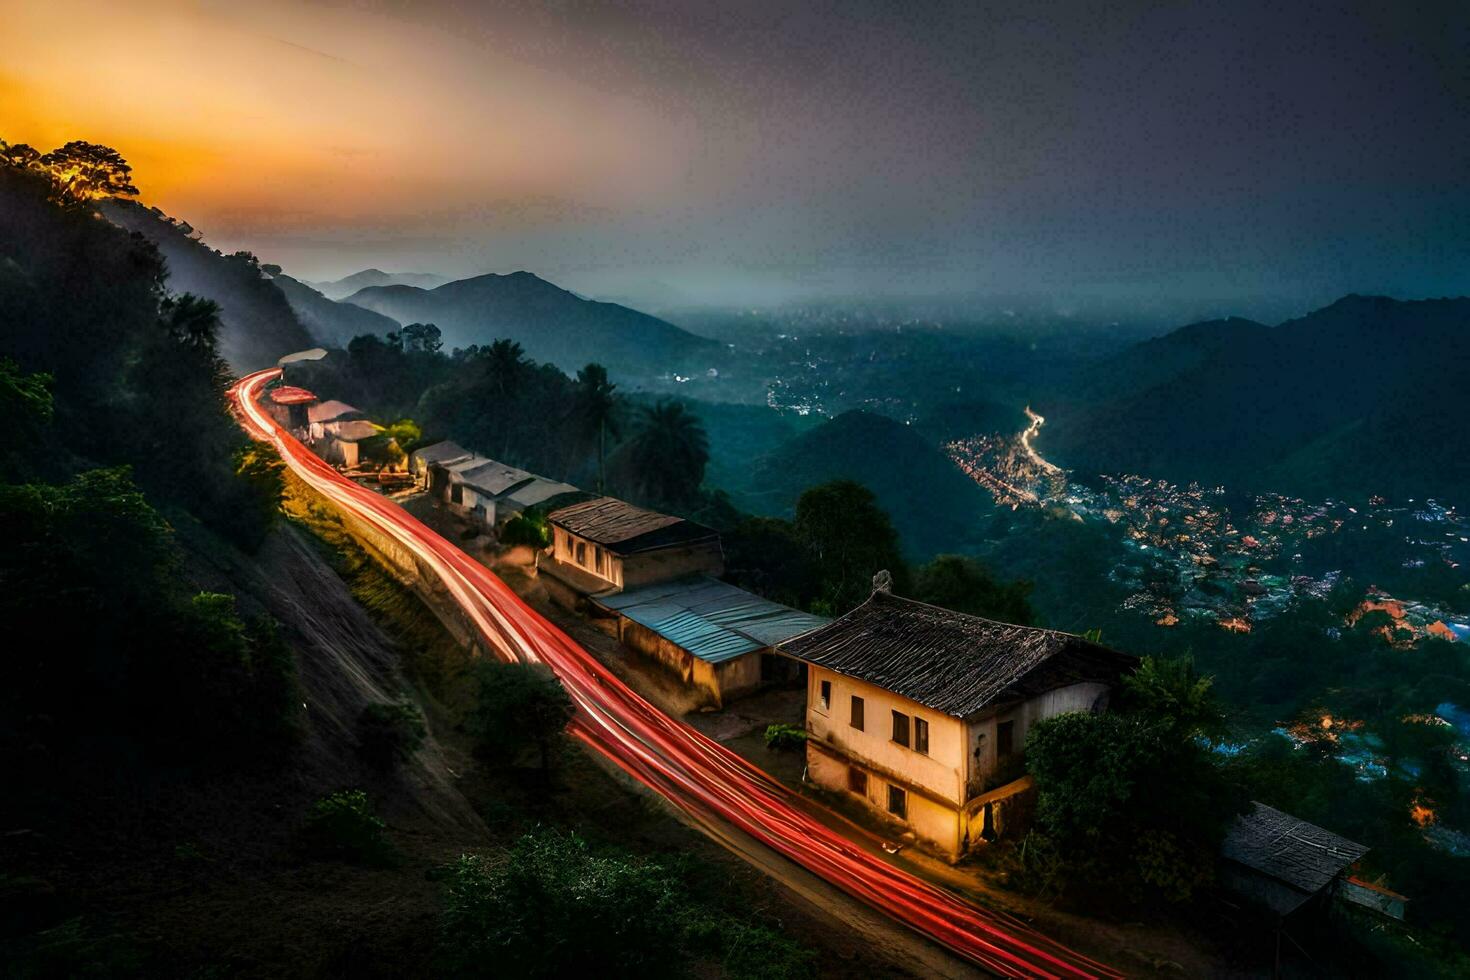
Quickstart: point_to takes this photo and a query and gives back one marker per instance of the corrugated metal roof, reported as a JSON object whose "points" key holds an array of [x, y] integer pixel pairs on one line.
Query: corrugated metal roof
{"points": [[488, 476], [538, 491], [330, 411], [441, 452], [289, 395], [713, 620]]}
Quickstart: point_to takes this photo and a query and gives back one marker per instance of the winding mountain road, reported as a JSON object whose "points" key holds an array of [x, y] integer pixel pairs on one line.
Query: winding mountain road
{"points": [[715, 787]]}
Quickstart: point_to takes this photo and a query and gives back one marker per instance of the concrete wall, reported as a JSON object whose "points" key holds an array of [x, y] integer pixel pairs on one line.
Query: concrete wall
{"points": [[940, 771], [982, 768], [648, 567], [564, 549], [717, 682], [932, 820]]}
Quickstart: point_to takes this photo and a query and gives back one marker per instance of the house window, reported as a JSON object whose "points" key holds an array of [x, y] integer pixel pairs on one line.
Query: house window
{"points": [[857, 781], [1005, 738], [456, 494], [857, 712], [826, 699], [597, 558], [898, 802], [901, 728], [921, 736], [581, 553]]}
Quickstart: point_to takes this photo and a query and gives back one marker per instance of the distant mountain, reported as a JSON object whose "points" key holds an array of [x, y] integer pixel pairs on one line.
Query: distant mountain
{"points": [[934, 506], [330, 322], [1364, 396], [347, 285], [257, 324], [551, 323], [959, 420]]}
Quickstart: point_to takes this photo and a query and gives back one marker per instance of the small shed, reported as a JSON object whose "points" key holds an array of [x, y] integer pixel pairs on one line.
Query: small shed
{"points": [[538, 491], [289, 405], [1282, 862], [715, 636], [429, 465], [477, 484]]}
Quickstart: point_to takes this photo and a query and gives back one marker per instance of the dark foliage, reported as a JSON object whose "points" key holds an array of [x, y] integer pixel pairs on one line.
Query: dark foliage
{"points": [[388, 733], [965, 585], [558, 907], [520, 707], [344, 826]]}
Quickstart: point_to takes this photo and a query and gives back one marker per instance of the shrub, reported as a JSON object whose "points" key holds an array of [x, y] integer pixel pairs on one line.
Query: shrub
{"points": [[520, 706], [343, 825], [523, 529], [556, 908], [388, 733], [782, 738]]}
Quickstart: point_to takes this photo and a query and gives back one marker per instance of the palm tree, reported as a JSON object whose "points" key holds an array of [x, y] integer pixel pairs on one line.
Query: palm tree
{"points": [[595, 410], [669, 453]]}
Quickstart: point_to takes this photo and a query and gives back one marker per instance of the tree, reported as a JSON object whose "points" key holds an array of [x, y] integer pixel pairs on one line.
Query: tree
{"points": [[519, 705], [1133, 811], [89, 171], [1170, 689], [850, 539], [963, 584], [595, 411], [422, 338], [666, 458]]}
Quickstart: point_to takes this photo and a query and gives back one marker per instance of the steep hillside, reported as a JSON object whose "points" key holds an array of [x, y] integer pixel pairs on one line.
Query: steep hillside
{"points": [[330, 322], [257, 323], [552, 324], [933, 505], [1356, 397], [347, 285]]}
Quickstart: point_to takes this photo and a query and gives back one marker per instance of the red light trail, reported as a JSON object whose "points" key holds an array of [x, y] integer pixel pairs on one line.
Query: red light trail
{"points": [[708, 782]]}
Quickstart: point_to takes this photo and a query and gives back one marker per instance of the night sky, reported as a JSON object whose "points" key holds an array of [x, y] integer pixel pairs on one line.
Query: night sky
{"points": [[746, 153]]}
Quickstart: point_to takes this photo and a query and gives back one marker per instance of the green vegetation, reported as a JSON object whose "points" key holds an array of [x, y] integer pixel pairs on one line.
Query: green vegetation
{"points": [[521, 706], [1131, 805], [964, 584], [344, 826], [527, 528], [388, 733], [781, 737], [557, 907]]}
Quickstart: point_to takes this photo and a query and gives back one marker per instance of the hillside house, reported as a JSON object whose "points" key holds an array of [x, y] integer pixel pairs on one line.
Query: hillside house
{"points": [[428, 465], [334, 430], [716, 637], [288, 406], [477, 483], [921, 713], [605, 545]]}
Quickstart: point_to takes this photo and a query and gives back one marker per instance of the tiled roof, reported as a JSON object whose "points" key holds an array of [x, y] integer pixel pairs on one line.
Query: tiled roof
{"points": [[625, 529], [288, 395], [1288, 849], [713, 620], [950, 661]]}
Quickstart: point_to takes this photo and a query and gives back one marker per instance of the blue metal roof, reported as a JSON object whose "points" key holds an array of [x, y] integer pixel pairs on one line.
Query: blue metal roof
{"points": [[713, 620]]}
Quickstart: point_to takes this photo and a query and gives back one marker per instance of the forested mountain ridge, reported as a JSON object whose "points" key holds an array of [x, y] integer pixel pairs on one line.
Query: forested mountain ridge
{"points": [[1357, 397], [934, 506], [257, 324], [550, 323]]}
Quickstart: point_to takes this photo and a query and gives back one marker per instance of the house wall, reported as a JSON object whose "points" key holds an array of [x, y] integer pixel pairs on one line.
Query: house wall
{"points": [[716, 682], [648, 567], [933, 820], [564, 549], [982, 759], [941, 771]]}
